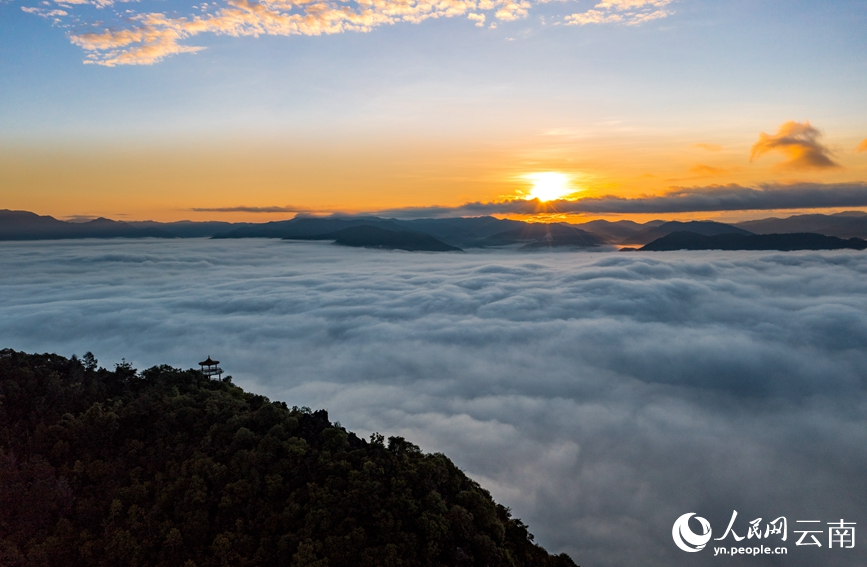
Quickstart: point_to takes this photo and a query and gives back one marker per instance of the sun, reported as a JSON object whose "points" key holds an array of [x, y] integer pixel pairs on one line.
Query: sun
{"points": [[549, 186]]}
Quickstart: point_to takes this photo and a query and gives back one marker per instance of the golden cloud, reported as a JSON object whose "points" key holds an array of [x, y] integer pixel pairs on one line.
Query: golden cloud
{"points": [[149, 37], [629, 12], [155, 36], [799, 142], [862, 147], [708, 147], [707, 170], [478, 18]]}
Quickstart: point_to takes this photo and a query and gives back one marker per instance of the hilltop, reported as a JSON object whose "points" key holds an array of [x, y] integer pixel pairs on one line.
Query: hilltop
{"points": [[165, 467], [24, 225]]}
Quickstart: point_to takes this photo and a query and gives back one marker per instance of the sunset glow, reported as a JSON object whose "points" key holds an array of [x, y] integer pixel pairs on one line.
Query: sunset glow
{"points": [[221, 111], [549, 186]]}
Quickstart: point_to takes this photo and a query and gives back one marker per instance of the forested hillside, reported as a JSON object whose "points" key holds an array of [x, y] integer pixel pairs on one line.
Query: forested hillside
{"points": [[164, 467]]}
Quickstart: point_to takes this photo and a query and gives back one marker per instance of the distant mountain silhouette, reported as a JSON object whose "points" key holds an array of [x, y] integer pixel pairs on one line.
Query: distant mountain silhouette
{"points": [[439, 234], [844, 225], [617, 231], [23, 225], [463, 232], [190, 229], [366, 236], [458, 232], [421, 234], [783, 242], [538, 235], [304, 228], [707, 228]]}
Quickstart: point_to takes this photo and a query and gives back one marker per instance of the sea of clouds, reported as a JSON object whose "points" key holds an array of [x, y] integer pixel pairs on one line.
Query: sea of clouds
{"points": [[599, 395]]}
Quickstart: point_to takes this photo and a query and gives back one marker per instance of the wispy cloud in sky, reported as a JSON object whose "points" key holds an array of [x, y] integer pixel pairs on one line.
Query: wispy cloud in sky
{"points": [[144, 38], [799, 142], [708, 147], [629, 12], [677, 200], [707, 170], [244, 209], [862, 147], [43, 13]]}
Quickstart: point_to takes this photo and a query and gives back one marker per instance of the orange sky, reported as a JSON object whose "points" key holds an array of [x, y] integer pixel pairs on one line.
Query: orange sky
{"points": [[166, 181], [169, 110]]}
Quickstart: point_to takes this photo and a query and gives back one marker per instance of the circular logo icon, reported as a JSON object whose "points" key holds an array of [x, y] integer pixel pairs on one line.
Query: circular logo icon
{"points": [[685, 538]]}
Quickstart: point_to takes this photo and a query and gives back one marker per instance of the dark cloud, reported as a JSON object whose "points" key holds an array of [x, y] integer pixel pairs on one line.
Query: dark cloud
{"points": [[600, 395], [799, 142], [678, 200], [243, 209], [736, 198]]}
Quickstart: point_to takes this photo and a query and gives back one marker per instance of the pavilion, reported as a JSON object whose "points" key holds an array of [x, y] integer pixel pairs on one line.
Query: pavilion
{"points": [[210, 368]]}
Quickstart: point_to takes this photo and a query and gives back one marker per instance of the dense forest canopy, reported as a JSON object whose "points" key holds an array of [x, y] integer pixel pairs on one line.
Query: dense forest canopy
{"points": [[165, 467]]}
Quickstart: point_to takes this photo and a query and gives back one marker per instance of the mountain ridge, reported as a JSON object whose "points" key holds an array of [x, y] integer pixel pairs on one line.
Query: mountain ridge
{"points": [[733, 241], [367, 236], [166, 467], [707, 228], [458, 232], [24, 225]]}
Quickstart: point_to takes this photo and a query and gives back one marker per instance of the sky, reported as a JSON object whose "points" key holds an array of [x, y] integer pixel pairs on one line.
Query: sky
{"points": [[599, 395], [167, 110]]}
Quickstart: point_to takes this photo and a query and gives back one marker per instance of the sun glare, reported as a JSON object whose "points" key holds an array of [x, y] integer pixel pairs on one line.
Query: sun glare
{"points": [[549, 186]]}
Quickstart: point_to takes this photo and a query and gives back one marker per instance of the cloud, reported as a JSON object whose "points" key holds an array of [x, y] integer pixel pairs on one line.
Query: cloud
{"points": [[708, 147], [44, 13], [478, 18], [599, 395], [677, 200], [244, 209], [80, 218], [629, 12], [147, 38], [799, 142], [144, 38], [702, 169], [862, 147]]}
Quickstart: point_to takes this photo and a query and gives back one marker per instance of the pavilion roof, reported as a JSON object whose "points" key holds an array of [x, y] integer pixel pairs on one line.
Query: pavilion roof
{"points": [[209, 362]]}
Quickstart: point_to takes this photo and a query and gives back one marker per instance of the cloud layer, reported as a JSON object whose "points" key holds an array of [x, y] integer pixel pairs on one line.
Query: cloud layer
{"points": [[799, 142], [600, 395], [144, 38], [678, 200]]}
